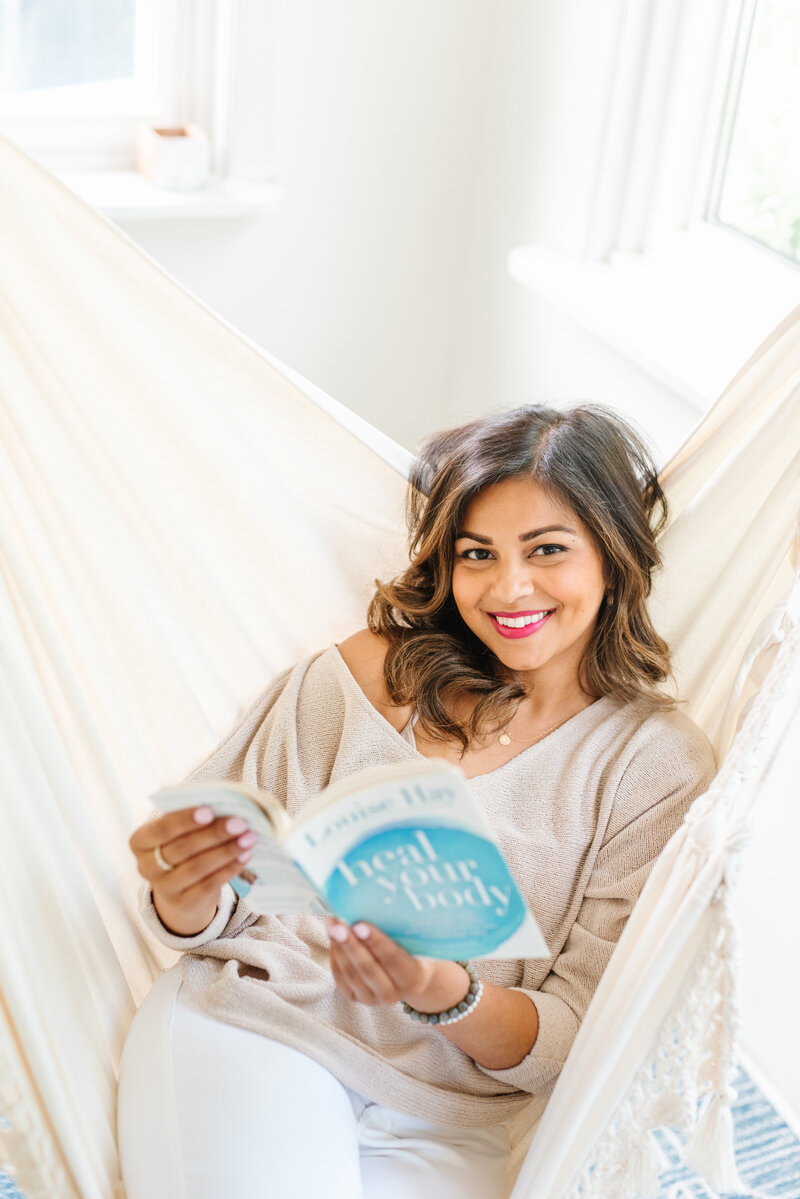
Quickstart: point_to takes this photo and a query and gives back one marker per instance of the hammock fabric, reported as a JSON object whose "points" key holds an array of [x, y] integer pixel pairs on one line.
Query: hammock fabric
{"points": [[182, 517]]}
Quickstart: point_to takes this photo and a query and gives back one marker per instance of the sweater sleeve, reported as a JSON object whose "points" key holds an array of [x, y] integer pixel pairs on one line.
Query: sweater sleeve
{"points": [[232, 918], [655, 792], [224, 762]]}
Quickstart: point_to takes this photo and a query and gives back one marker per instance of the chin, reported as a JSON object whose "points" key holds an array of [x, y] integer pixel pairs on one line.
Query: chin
{"points": [[517, 659], [522, 662]]}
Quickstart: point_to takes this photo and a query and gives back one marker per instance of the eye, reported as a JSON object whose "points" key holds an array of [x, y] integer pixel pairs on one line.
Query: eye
{"points": [[467, 554], [547, 551]]}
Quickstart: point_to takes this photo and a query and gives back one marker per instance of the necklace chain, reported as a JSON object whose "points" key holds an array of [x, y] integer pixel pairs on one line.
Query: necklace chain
{"points": [[505, 737]]}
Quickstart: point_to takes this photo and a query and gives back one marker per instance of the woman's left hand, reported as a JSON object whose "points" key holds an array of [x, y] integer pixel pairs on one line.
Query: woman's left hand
{"points": [[371, 968]]}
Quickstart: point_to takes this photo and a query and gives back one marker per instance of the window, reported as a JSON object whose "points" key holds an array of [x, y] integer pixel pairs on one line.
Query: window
{"points": [[58, 45], [757, 186], [76, 76]]}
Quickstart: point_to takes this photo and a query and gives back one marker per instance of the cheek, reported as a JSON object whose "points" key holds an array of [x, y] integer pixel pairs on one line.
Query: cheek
{"points": [[465, 590], [585, 591], [460, 587]]}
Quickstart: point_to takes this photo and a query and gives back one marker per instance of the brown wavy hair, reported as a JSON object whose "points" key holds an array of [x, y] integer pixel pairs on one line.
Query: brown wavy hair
{"points": [[590, 459]]}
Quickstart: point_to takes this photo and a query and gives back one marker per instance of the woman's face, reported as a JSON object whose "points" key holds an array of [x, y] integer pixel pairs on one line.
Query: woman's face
{"points": [[528, 580]]}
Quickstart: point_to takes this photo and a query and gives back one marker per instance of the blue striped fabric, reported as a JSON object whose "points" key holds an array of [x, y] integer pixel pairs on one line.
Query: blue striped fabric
{"points": [[767, 1153]]}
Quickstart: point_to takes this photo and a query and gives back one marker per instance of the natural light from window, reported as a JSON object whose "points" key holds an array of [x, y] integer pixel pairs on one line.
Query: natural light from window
{"points": [[759, 194], [77, 59], [61, 43]]}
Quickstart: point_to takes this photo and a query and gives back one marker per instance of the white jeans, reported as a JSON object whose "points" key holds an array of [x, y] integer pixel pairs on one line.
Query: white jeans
{"points": [[207, 1110]]}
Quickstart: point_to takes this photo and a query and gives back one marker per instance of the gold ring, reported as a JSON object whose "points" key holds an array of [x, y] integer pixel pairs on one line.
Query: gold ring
{"points": [[161, 860]]}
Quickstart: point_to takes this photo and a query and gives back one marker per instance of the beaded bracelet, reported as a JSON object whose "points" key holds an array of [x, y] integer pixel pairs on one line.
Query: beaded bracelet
{"points": [[462, 1009]]}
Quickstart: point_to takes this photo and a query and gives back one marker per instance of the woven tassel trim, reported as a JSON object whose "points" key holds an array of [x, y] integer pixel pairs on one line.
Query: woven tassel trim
{"points": [[710, 1151], [691, 1057]]}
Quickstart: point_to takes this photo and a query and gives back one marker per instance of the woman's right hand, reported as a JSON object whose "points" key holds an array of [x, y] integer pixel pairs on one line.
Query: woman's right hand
{"points": [[204, 852]]}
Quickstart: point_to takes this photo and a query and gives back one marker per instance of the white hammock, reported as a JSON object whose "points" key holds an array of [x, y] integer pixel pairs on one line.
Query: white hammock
{"points": [[174, 504]]}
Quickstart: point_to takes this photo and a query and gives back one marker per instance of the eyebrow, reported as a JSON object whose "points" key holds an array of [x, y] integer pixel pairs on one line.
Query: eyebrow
{"points": [[523, 536]]}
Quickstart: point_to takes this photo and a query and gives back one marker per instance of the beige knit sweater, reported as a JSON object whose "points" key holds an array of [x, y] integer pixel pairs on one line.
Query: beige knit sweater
{"points": [[580, 816]]}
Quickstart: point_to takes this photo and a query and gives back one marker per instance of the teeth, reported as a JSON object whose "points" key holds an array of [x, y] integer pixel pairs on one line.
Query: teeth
{"points": [[519, 622]]}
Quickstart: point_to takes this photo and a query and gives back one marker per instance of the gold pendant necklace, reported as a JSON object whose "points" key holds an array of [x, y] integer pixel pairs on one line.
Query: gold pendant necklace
{"points": [[505, 739]]}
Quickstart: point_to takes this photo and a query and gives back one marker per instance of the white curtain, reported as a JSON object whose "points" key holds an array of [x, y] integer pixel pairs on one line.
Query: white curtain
{"points": [[183, 516]]}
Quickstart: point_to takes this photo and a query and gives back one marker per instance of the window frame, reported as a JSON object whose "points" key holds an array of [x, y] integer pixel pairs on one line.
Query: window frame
{"points": [[728, 114], [153, 51], [725, 136]]}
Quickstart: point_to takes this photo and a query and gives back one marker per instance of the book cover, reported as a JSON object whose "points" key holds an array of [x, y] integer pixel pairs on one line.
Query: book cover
{"points": [[406, 847]]}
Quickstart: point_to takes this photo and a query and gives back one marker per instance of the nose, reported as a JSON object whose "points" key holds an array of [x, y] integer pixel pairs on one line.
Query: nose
{"points": [[512, 582]]}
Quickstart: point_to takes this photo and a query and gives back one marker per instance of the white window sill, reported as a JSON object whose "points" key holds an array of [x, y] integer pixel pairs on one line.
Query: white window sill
{"points": [[690, 312], [126, 195]]}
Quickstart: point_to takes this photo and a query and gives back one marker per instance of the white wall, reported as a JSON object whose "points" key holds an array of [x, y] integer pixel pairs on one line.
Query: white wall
{"points": [[418, 144], [539, 137], [352, 280]]}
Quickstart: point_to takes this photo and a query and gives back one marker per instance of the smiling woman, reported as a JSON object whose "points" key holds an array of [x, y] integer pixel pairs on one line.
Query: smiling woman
{"points": [[535, 538], [532, 540], [532, 600]]}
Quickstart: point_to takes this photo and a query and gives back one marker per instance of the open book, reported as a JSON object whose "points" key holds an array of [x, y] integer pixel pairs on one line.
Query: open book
{"points": [[405, 846]]}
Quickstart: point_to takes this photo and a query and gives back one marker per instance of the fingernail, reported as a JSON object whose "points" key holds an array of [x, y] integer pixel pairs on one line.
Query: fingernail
{"points": [[338, 932], [203, 815], [361, 931], [247, 839], [235, 825]]}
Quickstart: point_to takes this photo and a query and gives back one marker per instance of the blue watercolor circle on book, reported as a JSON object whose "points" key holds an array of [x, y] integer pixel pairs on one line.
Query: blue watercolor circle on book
{"points": [[441, 892]]}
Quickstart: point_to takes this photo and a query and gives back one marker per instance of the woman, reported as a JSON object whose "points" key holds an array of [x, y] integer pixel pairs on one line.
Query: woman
{"points": [[278, 1054]]}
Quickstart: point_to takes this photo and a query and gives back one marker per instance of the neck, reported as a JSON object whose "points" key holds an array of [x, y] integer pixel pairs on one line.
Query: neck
{"points": [[551, 693], [550, 707], [558, 683]]}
